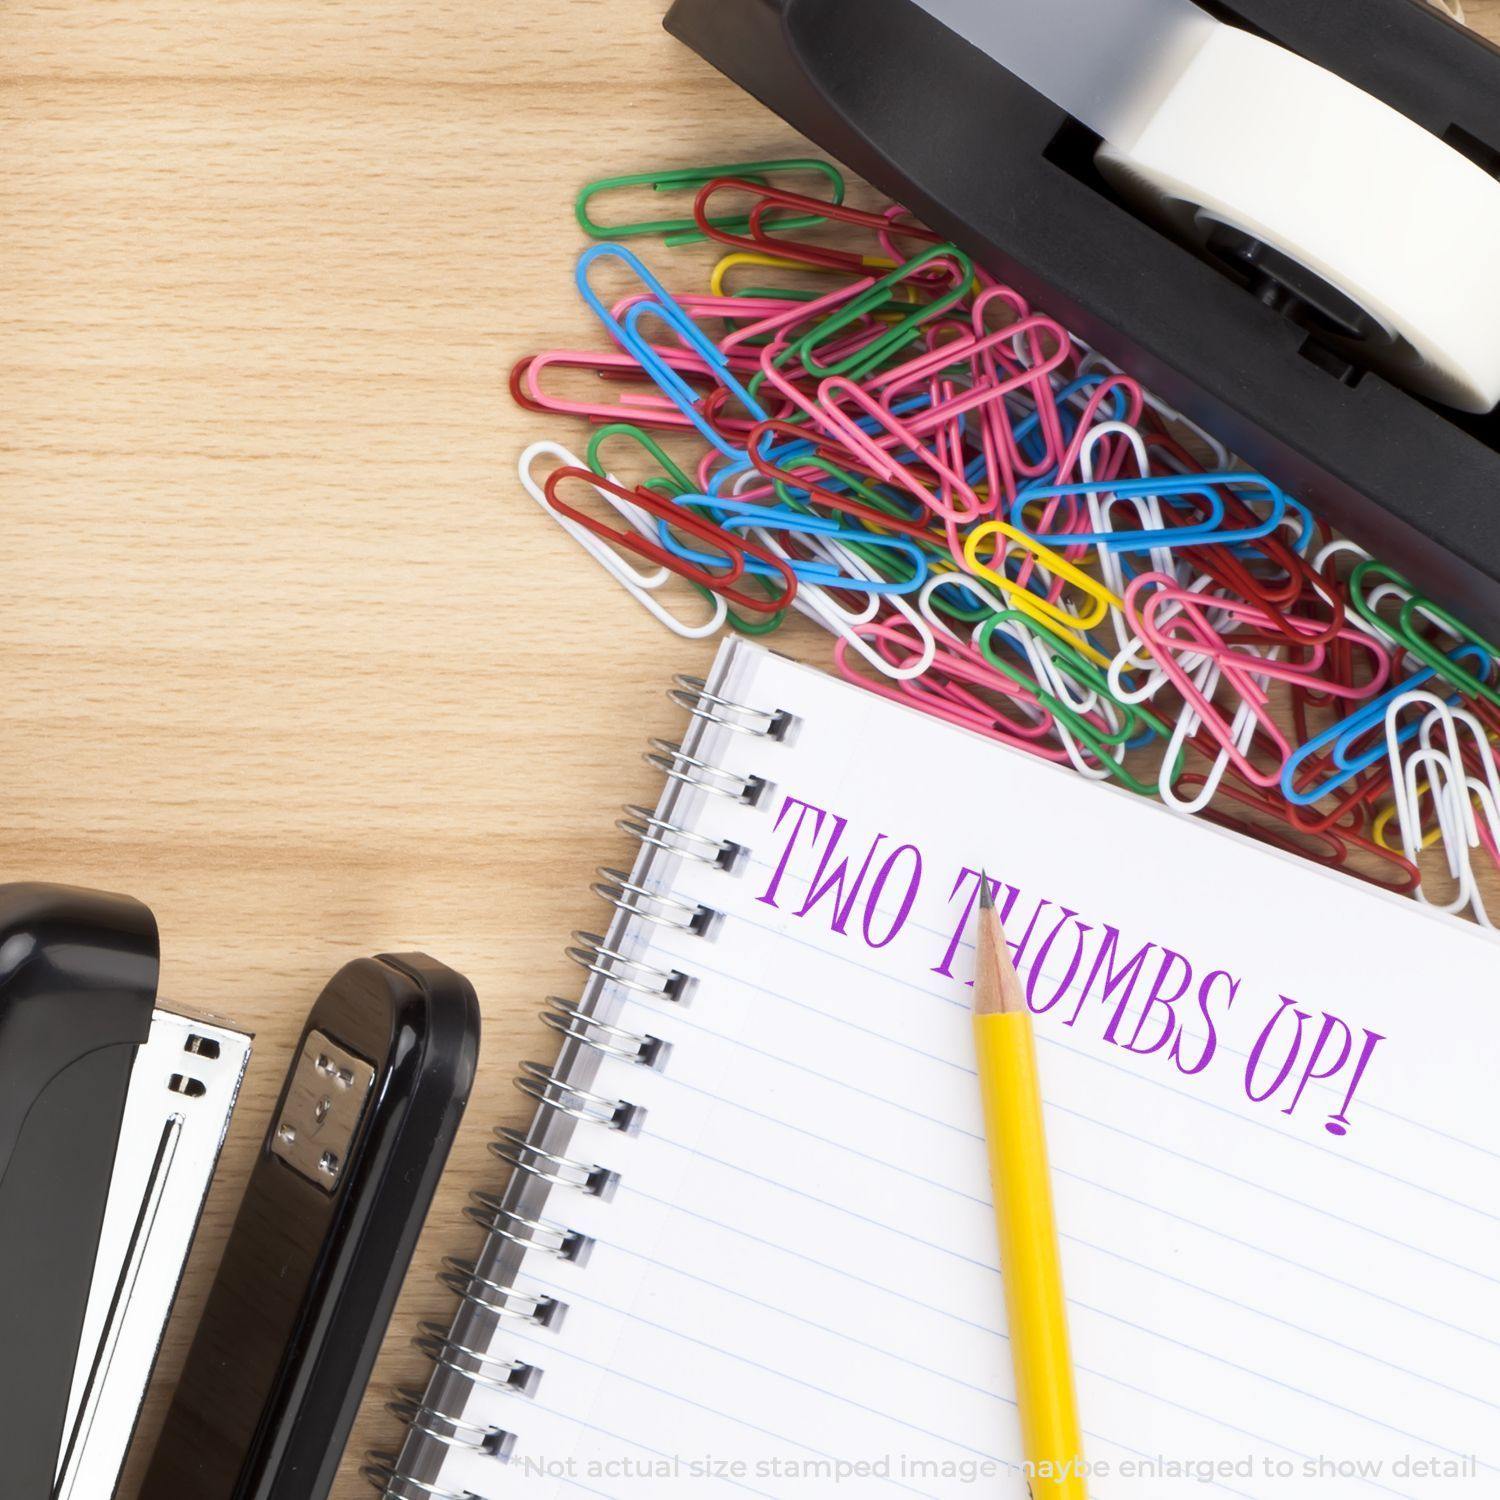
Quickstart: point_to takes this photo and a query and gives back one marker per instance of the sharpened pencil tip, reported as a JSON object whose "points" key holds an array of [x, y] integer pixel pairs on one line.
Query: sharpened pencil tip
{"points": [[986, 899], [997, 986]]}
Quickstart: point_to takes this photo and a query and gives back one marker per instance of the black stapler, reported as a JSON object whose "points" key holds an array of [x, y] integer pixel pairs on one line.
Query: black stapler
{"points": [[1247, 345], [111, 1118], [78, 977]]}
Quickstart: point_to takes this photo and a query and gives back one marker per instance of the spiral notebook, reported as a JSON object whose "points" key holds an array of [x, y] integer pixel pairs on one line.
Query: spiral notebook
{"points": [[747, 1247]]}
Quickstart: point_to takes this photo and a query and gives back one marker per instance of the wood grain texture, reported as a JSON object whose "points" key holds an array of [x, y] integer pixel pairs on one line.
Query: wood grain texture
{"points": [[287, 654]]}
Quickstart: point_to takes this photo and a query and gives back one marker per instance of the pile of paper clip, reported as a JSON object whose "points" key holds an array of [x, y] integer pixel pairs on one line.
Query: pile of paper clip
{"points": [[1002, 529]]}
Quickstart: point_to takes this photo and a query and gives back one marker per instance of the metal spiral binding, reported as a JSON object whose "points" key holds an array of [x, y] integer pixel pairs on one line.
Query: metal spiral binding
{"points": [[451, 1432], [506, 1377], [622, 893], [568, 1019], [381, 1471], [558, 1171], [551, 1092], [676, 764], [591, 952], [485, 1209], [692, 694], [644, 826], [462, 1276], [556, 1095]]}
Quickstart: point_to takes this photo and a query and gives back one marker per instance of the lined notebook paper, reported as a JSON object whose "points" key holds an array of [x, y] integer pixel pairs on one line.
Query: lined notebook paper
{"points": [[1272, 1118]]}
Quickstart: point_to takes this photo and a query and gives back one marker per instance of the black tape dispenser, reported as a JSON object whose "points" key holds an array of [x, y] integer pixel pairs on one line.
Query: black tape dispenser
{"points": [[1281, 216]]}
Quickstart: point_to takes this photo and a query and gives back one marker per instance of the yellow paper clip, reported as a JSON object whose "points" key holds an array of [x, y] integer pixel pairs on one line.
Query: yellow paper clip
{"points": [[732, 262], [1056, 617]]}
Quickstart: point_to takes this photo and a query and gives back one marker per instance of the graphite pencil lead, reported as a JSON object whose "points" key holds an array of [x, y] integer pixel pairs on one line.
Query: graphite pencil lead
{"points": [[997, 986]]}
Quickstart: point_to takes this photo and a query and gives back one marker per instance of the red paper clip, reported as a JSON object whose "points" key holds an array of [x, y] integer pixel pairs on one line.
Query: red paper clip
{"points": [[734, 548]]}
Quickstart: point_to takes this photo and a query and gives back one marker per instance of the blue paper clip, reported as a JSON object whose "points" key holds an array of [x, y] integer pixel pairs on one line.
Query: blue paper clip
{"points": [[1029, 428], [735, 515], [1344, 736], [628, 337], [1165, 488], [791, 450]]}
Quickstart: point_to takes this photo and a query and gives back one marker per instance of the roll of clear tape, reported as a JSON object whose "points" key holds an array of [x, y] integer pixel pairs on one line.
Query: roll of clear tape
{"points": [[1254, 138], [1207, 126]]}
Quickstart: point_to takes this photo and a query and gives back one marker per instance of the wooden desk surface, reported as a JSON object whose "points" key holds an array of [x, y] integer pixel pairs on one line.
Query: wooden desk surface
{"points": [[287, 654]]}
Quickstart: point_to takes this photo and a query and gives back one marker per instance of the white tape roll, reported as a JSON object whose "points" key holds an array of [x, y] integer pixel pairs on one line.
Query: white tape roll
{"points": [[1252, 136]]}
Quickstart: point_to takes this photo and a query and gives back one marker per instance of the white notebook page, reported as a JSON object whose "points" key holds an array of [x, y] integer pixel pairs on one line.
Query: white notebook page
{"points": [[795, 1291]]}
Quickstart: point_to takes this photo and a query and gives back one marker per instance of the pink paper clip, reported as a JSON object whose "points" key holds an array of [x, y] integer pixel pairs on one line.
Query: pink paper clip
{"points": [[1307, 673], [946, 690], [838, 389], [645, 407]]}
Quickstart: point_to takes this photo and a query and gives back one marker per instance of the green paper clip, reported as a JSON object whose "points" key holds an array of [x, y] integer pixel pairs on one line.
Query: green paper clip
{"points": [[1404, 630], [685, 231], [1077, 667]]}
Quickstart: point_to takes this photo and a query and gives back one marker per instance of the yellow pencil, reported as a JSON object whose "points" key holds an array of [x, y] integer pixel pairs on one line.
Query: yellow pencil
{"points": [[1030, 1265]]}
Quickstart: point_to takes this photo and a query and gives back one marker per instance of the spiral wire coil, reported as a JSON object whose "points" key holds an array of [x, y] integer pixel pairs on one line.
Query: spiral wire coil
{"points": [[604, 962]]}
